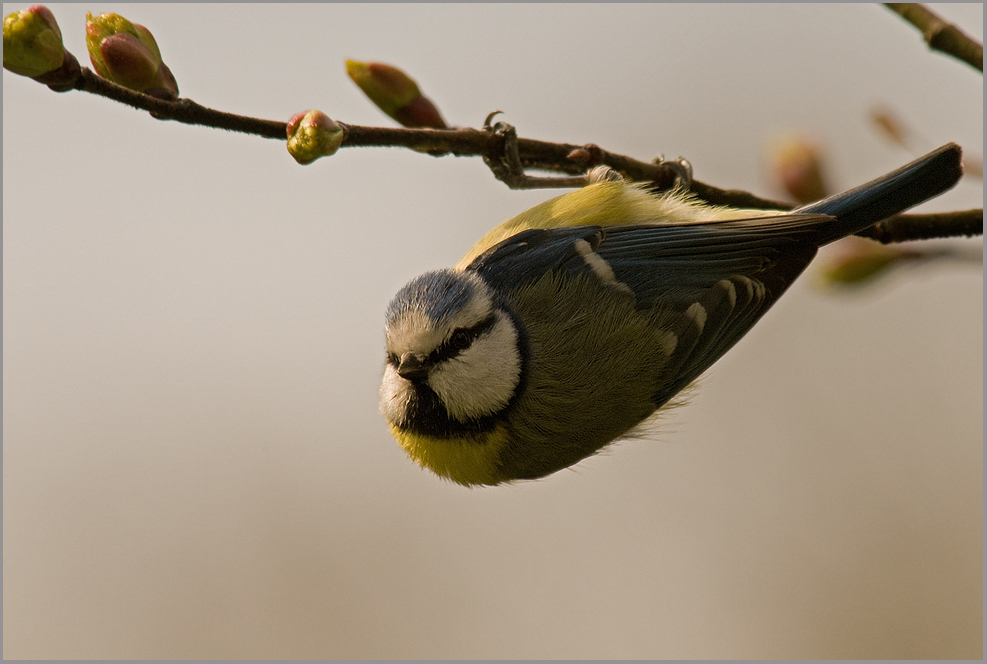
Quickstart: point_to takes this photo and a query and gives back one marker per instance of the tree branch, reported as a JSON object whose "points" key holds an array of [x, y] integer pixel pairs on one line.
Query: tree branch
{"points": [[560, 158], [941, 35], [907, 227], [462, 142], [183, 110]]}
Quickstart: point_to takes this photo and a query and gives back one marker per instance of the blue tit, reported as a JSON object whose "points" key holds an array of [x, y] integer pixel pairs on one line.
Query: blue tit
{"points": [[572, 324]]}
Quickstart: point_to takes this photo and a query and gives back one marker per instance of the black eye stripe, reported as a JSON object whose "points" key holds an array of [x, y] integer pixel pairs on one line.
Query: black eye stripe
{"points": [[460, 340]]}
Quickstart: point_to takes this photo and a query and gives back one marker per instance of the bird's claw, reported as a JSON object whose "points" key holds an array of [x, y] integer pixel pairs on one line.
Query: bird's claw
{"points": [[505, 162], [680, 167]]}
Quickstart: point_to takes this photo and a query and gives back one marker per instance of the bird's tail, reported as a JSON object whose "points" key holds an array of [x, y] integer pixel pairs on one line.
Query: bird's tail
{"points": [[890, 194]]}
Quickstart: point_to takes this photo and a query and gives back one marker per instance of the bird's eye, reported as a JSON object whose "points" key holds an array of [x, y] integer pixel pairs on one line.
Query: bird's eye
{"points": [[460, 340], [393, 359]]}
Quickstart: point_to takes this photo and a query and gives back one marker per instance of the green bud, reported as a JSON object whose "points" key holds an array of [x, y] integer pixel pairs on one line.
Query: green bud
{"points": [[863, 261], [395, 93], [311, 135], [32, 42], [127, 54]]}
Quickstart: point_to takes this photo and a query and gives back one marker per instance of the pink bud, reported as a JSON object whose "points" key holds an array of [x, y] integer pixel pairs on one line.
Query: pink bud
{"points": [[127, 54], [127, 61], [420, 112], [796, 164]]}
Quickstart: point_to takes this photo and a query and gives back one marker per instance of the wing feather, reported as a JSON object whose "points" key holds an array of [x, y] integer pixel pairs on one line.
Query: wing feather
{"points": [[716, 279]]}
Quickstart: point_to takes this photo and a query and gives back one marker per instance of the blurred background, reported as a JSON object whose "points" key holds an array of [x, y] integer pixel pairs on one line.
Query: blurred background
{"points": [[193, 462]]}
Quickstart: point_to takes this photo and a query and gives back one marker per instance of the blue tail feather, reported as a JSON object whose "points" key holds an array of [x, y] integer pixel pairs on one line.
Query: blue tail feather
{"points": [[890, 194]]}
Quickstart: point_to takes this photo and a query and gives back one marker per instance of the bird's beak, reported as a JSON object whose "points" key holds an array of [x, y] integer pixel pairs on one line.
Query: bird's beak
{"points": [[411, 368]]}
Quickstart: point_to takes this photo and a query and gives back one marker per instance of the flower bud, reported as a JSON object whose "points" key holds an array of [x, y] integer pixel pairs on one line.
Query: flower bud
{"points": [[420, 112], [127, 54], [311, 135], [579, 155], [395, 93], [65, 78], [796, 163], [32, 42]]}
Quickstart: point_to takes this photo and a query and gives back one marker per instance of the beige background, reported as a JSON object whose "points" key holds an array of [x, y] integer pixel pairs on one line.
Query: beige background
{"points": [[193, 463]]}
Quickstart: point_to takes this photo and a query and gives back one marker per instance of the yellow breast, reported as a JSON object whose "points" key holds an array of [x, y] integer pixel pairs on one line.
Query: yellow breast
{"points": [[466, 461]]}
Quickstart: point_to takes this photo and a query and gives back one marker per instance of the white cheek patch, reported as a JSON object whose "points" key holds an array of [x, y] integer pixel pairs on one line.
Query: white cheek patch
{"points": [[395, 395], [480, 380]]}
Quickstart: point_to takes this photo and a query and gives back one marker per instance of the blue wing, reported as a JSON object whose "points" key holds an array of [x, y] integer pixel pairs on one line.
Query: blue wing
{"points": [[716, 278], [527, 256], [675, 265], [672, 265]]}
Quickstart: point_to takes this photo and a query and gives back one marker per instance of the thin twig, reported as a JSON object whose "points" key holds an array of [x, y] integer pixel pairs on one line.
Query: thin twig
{"points": [[462, 142], [941, 35], [182, 110], [534, 154], [908, 227]]}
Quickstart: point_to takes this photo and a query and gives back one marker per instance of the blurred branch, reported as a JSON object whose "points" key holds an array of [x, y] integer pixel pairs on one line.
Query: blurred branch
{"points": [[941, 35]]}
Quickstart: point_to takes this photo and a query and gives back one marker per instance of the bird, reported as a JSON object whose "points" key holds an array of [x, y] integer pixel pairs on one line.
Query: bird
{"points": [[572, 324]]}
